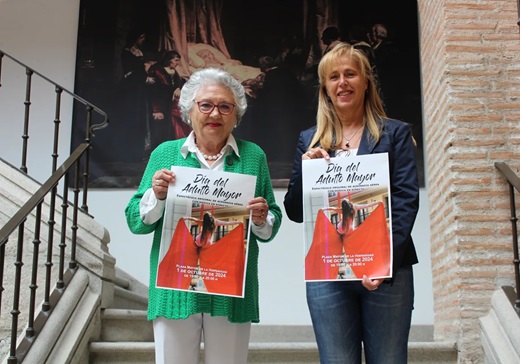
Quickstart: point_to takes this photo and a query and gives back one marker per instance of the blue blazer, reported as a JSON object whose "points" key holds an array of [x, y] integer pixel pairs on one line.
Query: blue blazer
{"points": [[396, 140]]}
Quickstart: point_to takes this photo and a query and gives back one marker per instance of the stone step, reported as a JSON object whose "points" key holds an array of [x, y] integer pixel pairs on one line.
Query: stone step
{"points": [[125, 299], [127, 337], [132, 325], [126, 325], [275, 353]]}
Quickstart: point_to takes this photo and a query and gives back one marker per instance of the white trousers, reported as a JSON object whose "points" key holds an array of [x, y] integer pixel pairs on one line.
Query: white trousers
{"points": [[178, 341]]}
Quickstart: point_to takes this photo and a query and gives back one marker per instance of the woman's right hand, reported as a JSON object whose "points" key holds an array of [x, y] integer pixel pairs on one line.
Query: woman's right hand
{"points": [[315, 153], [160, 181]]}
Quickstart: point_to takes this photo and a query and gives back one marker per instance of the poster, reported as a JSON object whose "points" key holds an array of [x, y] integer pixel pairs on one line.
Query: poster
{"points": [[347, 218], [206, 232]]}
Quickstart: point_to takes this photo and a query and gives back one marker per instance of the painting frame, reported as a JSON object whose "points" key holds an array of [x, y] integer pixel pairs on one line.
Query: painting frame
{"points": [[280, 104]]}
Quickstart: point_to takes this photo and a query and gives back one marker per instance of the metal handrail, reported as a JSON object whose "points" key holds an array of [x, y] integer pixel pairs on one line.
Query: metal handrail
{"points": [[22, 214], [514, 183], [34, 206], [518, 10], [76, 97]]}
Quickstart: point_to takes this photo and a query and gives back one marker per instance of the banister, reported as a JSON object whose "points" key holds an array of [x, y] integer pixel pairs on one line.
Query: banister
{"points": [[508, 174], [39, 195], [76, 97], [79, 158], [518, 9], [514, 183]]}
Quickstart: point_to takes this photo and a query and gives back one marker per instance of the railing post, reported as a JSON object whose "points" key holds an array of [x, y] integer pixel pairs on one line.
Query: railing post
{"points": [[84, 205], [2, 268], [514, 184], [57, 122], [74, 227], [34, 275], [60, 283], [27, 104], [514, 232], [1, 59], [52, 205], [518, 7], [15, 312]]}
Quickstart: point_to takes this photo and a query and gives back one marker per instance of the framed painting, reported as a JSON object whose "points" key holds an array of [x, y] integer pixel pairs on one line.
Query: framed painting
{"points": [[124, 66]]}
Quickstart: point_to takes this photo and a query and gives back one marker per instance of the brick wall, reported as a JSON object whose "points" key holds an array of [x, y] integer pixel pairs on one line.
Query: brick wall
{"points": [[471, 92]]}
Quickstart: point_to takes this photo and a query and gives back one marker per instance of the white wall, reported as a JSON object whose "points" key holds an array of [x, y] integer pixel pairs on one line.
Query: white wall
{"points": [[42, 34]]}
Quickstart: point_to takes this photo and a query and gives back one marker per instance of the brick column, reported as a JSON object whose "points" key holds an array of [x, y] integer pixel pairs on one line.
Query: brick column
{"points": [[470, 54]]}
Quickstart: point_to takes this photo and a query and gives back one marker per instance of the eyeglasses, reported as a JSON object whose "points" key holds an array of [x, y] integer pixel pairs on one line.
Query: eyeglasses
{"points": [[224, 108]]}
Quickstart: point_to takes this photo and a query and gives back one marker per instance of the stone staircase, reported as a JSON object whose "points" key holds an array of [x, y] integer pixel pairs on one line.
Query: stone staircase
{"points": [[101, 317], [127, 337]]}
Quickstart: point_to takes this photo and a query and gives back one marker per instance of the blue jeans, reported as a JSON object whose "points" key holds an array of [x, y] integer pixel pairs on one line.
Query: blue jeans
{"points": [[345, 315]]}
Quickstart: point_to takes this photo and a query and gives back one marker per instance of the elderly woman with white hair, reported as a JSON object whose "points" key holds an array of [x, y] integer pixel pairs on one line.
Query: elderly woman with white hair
{"points": [[212, 102]]}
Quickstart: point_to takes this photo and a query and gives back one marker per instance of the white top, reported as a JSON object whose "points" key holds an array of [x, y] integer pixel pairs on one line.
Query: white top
{"points": [[346, 153]]}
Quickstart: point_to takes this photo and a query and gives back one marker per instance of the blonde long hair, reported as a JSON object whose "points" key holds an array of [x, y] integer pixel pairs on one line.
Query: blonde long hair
{"points": [[328, 123]]}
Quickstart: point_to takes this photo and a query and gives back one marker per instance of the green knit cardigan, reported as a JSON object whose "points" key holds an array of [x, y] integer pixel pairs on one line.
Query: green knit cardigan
{"points": [[175, 304]]}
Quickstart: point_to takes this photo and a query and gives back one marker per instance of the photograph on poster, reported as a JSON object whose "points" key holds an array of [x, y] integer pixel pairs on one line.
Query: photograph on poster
{"points": [[134, 56], [350, 238], [347, 218], [207, 252]]}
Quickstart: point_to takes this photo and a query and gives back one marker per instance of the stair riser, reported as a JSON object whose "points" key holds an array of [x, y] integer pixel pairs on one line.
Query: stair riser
{"points": [[416, 356], [136, 327], [129, 330]]}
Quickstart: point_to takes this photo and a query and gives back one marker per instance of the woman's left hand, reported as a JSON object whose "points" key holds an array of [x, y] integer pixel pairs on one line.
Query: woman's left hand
{"points": [[371, 284], [260, 208]]}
